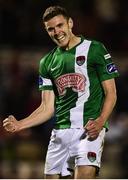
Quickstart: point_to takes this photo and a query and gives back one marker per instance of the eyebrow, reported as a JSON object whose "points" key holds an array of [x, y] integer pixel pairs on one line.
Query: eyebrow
{"points": [[51, 28]]}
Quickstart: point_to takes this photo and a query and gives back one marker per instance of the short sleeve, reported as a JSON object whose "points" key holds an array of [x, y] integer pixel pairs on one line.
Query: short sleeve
{"points": [[105, 67], [45, 82]]}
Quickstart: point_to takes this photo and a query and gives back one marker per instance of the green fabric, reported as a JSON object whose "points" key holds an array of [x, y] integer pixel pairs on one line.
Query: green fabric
{"points": [[63, 75]]}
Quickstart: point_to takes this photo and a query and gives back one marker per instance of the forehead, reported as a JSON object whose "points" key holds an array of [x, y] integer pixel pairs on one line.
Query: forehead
{"points": [[55, 20]]}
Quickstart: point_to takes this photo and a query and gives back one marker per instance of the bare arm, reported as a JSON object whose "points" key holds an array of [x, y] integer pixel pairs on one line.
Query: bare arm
{"points": [[110, 99], [94, 127], [43, 113]]}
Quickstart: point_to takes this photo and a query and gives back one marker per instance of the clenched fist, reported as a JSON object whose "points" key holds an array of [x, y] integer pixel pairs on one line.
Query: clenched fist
{"points": [[10, 124]]}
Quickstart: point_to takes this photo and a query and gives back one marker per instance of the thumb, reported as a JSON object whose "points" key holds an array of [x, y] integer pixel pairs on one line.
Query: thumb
{"points": [[89, 123], [11, 117]]}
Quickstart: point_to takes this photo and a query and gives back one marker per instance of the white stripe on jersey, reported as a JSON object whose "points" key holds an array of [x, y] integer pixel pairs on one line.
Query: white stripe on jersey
{"points": [[76, 113]]}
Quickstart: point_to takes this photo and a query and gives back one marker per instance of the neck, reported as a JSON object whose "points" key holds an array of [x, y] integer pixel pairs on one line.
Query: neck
{"points": [[74, 40]]}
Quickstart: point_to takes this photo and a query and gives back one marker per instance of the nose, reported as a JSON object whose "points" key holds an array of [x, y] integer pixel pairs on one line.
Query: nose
{"points": [[56, 30]]}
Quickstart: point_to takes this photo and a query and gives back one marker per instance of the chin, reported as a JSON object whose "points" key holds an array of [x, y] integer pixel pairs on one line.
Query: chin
{"points": [[63, 45]]}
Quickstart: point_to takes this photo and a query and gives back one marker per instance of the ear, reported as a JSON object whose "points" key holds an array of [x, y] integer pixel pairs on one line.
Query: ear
{"points": [[70, 22]]}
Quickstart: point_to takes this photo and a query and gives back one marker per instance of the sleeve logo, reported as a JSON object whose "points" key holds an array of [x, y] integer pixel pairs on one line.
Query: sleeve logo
{"points": [[111, 68], [40, 81], [107, 56]]}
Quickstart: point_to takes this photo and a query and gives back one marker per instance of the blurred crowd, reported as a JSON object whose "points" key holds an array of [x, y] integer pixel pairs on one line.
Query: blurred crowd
{"points": [[23, 42], [106, 20]]}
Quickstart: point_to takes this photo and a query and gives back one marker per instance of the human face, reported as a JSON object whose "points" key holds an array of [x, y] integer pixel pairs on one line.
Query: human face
{"points": [[60, 30]]}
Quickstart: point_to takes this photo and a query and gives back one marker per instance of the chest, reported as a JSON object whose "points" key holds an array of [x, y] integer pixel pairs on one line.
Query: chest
{"points": [[68, 63]]}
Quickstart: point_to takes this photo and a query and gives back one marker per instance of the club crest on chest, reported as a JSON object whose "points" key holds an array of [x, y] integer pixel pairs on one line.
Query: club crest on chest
{"points": [[80, 60]]}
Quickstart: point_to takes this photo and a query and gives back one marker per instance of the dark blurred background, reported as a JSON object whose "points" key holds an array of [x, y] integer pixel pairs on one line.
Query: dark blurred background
{"points": [[23, 42]]}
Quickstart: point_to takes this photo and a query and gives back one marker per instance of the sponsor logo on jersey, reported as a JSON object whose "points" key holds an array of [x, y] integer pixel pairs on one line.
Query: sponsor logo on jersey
{"points": [[40, 81], [91, 156], [75, 81], [107, 56], [111, 68], [80, 60]]}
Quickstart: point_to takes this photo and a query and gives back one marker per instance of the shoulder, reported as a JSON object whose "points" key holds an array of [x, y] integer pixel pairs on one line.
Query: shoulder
{"points": [[94, 45], [48, 57], [97, 47], [97, 44]]}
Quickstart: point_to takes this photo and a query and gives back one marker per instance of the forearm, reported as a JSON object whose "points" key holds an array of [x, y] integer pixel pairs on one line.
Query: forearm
{"points": [[110, 100], [107, 108], [39, 116], [94, 127], [43, 113]]}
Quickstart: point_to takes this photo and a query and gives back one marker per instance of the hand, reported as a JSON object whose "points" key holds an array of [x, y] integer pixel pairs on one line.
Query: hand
{"points": [[10, 124], [93, 128]]}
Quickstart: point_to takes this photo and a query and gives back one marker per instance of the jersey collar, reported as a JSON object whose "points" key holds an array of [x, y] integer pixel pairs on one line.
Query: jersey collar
{"points": [[59, 49]]}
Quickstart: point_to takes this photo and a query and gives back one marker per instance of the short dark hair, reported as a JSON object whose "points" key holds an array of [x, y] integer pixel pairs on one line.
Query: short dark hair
{"points": [[53, 11]]}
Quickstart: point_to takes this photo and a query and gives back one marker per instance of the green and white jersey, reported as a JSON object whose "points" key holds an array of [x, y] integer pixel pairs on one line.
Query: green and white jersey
{"points": [[75, 76]]}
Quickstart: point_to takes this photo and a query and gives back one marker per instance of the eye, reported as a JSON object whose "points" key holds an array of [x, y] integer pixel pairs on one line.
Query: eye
{"points": [[60, 25], [50, 29]]}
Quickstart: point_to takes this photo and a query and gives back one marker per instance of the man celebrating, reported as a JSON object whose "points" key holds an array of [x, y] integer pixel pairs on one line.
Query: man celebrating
{"points": [[77, 84]]}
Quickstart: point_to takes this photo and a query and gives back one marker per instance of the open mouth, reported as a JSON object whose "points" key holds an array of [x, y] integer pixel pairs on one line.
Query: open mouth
{"points": [[60, 38]]}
